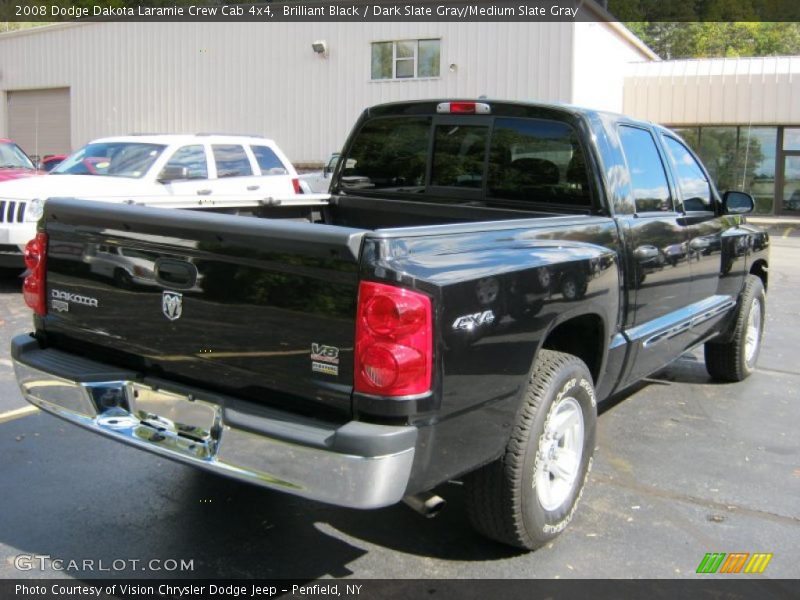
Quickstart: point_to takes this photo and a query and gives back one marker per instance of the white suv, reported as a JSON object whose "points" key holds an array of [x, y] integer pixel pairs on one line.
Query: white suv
{"points": [[147, 167]]}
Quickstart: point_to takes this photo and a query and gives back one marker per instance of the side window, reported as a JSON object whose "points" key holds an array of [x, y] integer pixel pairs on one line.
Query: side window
{"points": [[267, 161], [537, 160], [648, 178], [692, 182], [191, 157], [231, 160]]}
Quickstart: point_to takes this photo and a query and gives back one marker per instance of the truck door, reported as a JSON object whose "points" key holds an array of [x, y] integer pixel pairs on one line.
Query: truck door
{"points": [[717, 246], [658, 273]]}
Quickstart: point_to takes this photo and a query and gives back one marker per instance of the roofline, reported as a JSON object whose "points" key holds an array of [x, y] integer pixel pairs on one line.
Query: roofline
{"points": [[625, 33], [592, 5], [42, 29]]}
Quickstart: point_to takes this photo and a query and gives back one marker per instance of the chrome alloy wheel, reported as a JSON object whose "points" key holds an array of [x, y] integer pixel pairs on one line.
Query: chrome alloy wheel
{"points": [[560, 453], [753, 333]]}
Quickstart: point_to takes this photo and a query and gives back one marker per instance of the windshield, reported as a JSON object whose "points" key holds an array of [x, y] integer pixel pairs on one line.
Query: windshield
{"points": [[12, 157], [111, 159]]}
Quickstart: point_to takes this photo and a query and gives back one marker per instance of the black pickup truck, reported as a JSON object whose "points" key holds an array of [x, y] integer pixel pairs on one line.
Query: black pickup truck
{"points": [[483, 274]]}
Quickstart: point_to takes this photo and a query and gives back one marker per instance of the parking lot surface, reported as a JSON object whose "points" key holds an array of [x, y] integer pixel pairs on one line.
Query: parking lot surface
{"points": [[684, 467]]}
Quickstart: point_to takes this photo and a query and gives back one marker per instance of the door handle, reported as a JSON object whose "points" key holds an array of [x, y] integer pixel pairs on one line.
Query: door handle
{"points": [[253, 188], [203, 192]]}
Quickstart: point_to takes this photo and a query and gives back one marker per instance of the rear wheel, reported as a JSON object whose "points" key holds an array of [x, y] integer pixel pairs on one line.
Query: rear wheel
{"points": [[529, 495], [735, 359]]}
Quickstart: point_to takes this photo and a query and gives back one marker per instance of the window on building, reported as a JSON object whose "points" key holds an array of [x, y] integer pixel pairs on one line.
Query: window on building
{"points": [[755, 172], [694, 187], [536, 160], [406, 59], [231, 160], [718, 151], [267, 161], [791, 138], [690, 134], [648, 179], [193, 158]]}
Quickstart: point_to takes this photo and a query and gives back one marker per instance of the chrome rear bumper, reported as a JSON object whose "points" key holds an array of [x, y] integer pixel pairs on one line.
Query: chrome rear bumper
{"points": [[359, 465]]}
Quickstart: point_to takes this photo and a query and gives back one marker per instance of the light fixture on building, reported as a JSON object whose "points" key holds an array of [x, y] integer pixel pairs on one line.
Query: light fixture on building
{"points": [[320, 47], [453, 68]]}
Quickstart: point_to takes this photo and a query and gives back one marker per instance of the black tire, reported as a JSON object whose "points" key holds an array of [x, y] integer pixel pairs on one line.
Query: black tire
{"points": [[729, 360], [502, 500]]}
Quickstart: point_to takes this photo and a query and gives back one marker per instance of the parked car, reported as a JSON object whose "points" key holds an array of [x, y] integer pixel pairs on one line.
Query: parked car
{"points": [[14, 163], [51, 161], [448, 315], [133, 168], [320, 181]]}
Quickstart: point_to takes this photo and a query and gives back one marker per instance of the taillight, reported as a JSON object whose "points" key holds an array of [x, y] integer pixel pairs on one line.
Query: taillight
{"points": [[296, 184], [33, 289], [394, 341], [463, 108]]}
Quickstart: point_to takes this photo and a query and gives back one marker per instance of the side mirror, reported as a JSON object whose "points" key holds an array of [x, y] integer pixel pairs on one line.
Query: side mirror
{"points": [[173, 174], [738, 203]]}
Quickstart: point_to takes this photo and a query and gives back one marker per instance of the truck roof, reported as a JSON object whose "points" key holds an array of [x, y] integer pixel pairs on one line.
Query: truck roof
{"points": [[507, 108]]}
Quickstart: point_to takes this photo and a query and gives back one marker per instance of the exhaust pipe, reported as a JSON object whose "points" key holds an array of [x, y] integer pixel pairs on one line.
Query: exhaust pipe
{"points": [[427, 504]]}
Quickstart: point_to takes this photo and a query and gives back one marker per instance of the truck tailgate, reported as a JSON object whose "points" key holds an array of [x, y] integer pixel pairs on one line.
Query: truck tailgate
{"points": [[260, 308]]}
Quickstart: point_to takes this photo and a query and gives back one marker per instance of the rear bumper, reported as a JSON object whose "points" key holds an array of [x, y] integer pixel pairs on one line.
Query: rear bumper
{"points": [[358, 465], [11, 257]]}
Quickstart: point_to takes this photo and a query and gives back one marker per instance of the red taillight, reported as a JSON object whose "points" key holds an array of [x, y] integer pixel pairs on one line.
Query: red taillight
{"points": [[463, 108], [33, 289], [394, 341], [296, 184]]}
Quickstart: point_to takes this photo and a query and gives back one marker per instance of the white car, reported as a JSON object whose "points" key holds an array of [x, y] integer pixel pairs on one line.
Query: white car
{"points": [[320, 181], [152, 168]]}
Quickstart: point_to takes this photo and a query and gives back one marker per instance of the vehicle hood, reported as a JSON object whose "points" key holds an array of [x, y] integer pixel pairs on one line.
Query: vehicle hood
{"points": [[9, 174], [78, 186]]}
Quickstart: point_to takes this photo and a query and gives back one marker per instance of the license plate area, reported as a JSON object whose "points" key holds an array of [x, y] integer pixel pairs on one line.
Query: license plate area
{"points": [[161, 418]]}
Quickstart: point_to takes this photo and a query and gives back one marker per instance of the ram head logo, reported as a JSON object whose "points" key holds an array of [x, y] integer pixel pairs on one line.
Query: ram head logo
{"points": [[172, 305]]}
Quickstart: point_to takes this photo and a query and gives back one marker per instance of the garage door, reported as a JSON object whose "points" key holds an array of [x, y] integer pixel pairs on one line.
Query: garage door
{"points": [[38, 120]]}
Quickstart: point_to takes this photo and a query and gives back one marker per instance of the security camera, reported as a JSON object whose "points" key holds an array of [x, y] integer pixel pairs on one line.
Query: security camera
{"points": [[320, 47]]}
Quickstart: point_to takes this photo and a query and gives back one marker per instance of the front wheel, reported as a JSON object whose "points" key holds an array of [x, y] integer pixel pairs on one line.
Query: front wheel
{"points": [[529, 495], [735, 359]]}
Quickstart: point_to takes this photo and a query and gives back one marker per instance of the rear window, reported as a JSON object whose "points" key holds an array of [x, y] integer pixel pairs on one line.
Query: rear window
{"points": [[507, 161], [537, 160], [389, 154], [268, 161]]}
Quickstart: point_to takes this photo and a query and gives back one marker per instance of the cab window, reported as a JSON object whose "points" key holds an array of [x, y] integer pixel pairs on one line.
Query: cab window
{"points": [[692, 182], [647, 175]]}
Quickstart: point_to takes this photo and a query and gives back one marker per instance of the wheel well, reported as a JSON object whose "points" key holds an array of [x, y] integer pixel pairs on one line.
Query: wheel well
{"points": [[582, 337], [759, 269]]}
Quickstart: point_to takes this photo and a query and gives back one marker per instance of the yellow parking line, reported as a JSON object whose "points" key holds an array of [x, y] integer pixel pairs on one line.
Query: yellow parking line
{"points": [[17, 413]]}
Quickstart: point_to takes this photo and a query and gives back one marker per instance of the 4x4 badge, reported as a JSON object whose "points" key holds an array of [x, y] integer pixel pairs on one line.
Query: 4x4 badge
{"points": [[172, 305]]}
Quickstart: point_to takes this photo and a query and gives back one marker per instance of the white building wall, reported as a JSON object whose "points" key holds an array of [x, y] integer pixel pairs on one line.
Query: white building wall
{"points": [[265, 79], [600, 60], [715, 91]]}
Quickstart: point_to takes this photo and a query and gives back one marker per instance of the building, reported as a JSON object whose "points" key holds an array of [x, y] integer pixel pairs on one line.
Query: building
{"points": [[742, 116], [63, 85], [304, 84]]}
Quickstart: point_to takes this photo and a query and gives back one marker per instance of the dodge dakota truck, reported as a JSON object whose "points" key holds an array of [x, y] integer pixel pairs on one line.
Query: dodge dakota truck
{"points": [[482, 274]]}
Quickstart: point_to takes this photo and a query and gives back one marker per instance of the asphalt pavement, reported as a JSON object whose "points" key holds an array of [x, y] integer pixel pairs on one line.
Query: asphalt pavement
{"points": [[684, 467]]}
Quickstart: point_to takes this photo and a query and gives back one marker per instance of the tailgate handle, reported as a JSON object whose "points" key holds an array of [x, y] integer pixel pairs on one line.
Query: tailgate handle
{"points": [[175, 273]]}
